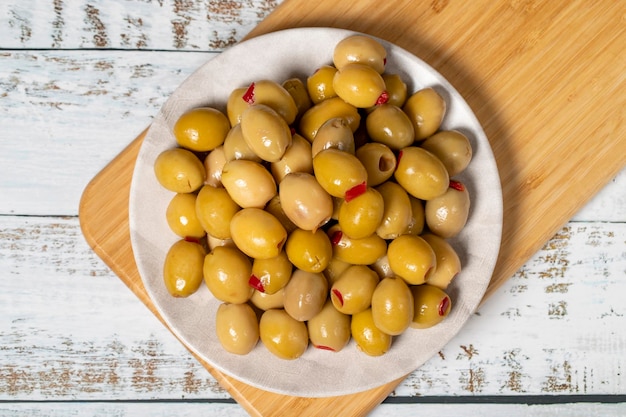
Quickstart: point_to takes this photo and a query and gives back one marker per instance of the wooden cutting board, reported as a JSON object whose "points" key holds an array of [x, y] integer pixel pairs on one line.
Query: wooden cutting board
{"points": [[545, 79]]}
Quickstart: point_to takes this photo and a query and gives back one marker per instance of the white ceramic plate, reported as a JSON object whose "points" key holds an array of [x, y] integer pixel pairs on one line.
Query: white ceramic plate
{"points": [[318, 373]]}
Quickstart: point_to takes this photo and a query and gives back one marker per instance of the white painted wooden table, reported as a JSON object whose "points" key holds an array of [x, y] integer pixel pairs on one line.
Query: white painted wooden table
{"points": [[79, 79]]}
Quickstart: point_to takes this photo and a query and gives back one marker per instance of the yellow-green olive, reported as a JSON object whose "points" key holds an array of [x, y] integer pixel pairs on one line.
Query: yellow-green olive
{"points": [[416, 225], [214, 209], [264, 92], [305, 294], [379, 162], [320, 84], [237, 328], [298, 91], [392, 306], [446, 215], [265, 132], [334, 269], [411, 258], [236, 105], [340, 173], [179, 170], [181, 216], [297, 158], [364, 251], [201, 129], [248, 183], [330, 108], [308, 250], [426, 109], [360, 85], [272, 274], [236, 147], [361, 49], [214, 242], [452, 147], [304, 201], [382, 268], [368, 337], [448, 261], [396, 88], [275, 208], [352, 292], [334, 133], [282, 335], [361, 216], [432, 305], [421, 173], [213, 165], [329, 329], [397, 212], [226, 273], [389, 125], [265, 301], [257, 233], [182, 270]]}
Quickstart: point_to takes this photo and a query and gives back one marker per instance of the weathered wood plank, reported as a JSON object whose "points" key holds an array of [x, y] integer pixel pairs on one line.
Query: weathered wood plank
{"points": [[557, 327]]}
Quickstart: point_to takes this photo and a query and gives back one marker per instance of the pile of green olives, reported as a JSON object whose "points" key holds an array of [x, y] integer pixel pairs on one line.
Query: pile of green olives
{"points": [[318, 211]]}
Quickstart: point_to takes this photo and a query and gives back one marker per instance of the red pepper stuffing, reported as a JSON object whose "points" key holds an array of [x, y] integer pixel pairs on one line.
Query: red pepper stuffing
{"points": [[248, 96], [336, 237], [355, 191], [443, 306], [457, 185], [324, 347], [256, 283], [337, 294], [383, 98], [192, 239]]}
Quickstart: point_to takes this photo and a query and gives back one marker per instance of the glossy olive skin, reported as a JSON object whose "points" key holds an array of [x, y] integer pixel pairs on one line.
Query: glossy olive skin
{"points": [[447, 214], [426, 109], [297, 158], [452, 147], [272, 274], [359, 85], [264, 301], [213, 165], [338, 171], [334, 133], [265, 92], [361, 216], [257, 233], [411, 258], [182, 270], [305, 294], [265, 132], [368, 337], [360, 49], [235, 146], [329, 329], [421, 173], [396, 88], [226, 272], [275, 208], [334, 269], [248, 183], [397, 212], [214, 209], [432, 305], [282, 335], [237, 328], [201, 129], [352, 292], [181, 216], [304, 201], [389, 125], [392, 306], [379, 162], [382, 267], [416, 225], [325, 110], [298, 91], [179, 170], [363, 251], [448, 261], [309, 251], [320, 84]]}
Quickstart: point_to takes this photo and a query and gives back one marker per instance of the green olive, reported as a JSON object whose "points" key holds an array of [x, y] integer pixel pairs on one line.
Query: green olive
{"points": [[282, 335], [448, 261], [361, 216], [237, 328], [330, 108], [389, 125], [213, 165], [334, 133], [248, 183], [309, 251], [379, 162], [214, 209], [214, 242], [265, 301], [416, 225], [182, 270], [359, 85], [362, 49], [447, 214], [272, 274], [297, 158], [329, 329], [352, 292], [226, 273], [363, 251], [265, 132], [320, 84], [304, 201], [265, 92], [392, 306], [257, 233], [396, 88], [179, 170], [452, 147], [236, 147], [181, 216], [334, 269], [421, 173], [397, 212], [305, 294], [339, 172], [275, 208], [298, 91], [368, 337], [382, 268], [201, 129], [236, 105], [431, 306], [426, 109], [411, 258]]}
